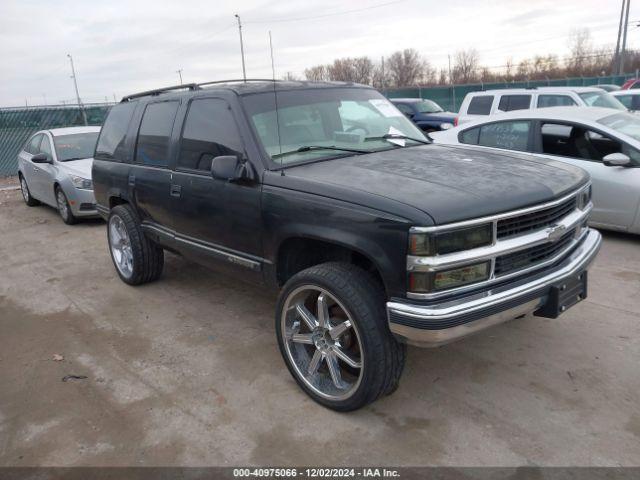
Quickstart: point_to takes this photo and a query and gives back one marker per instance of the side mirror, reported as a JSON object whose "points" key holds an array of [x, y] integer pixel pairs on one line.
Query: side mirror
{"points": [[230, 168], [41, 158], [616, 160]]}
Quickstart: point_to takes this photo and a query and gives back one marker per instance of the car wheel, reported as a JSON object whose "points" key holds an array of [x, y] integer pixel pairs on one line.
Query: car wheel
{"points": [[26, 194], [63, 208], [136, 258], [333, 335]]}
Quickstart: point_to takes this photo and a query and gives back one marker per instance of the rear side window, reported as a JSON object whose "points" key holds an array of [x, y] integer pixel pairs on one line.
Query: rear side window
{"points": [[545, 101], [514, 102], [209, 131], [625, 100], [155, 134], [509, 135], [111, 144], [33, 146], [480, 105]]}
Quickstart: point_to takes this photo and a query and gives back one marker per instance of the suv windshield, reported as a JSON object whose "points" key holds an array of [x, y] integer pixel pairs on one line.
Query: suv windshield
{"points": [[625, 123], [75, 146], [344, 119], [601, 99], [428, 106]]}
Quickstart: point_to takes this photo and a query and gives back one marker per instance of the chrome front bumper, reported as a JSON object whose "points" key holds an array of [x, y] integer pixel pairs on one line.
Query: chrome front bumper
{"points": [[436, 323]]}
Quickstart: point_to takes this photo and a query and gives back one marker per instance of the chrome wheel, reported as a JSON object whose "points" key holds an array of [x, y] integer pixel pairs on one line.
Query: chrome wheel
{"points": [[63, 206], [120, 245], [25, 189], [322, 342]]}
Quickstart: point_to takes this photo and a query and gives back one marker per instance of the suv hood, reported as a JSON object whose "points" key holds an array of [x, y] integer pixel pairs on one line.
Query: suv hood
{"points": [[448, 183], [81, 168]]}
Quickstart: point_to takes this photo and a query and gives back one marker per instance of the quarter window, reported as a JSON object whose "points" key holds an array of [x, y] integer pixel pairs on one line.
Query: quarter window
{"points": [[155, 134], [545, 101], [111, 144], [34, 145], [514, 102], [209, 131], [509, 135], [480, 105]]}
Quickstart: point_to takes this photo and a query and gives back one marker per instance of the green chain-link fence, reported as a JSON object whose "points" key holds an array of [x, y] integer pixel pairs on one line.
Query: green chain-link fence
{"points": [[450, 98], [18, 124]]}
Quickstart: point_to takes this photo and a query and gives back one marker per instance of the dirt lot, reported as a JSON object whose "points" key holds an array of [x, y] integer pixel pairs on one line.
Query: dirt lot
{"points": [[186, 371]]}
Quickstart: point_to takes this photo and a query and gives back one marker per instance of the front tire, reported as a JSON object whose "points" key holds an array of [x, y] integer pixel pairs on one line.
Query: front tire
{"points": [[64, 209], [26, 193], [137, 259], [334, 338]]}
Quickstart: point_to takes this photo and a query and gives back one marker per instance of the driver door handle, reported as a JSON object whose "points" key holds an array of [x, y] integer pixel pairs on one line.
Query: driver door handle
{"points": [[176, 190]]}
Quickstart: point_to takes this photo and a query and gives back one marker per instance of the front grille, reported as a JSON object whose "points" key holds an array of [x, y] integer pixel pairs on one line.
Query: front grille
{"points": [[529, 222], [529, 257]]}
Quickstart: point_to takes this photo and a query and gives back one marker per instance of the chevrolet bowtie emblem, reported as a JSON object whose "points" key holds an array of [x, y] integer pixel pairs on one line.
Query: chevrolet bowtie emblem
{"points": [[556, 232]]}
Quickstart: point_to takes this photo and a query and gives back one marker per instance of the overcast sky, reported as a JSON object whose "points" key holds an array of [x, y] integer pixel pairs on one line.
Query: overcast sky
{"points": [[121, 47]]}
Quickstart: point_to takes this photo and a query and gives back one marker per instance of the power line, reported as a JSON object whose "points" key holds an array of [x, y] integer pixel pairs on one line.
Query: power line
{"points": [[344, 12]]}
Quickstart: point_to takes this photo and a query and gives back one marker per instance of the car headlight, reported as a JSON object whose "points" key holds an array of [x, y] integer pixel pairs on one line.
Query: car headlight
{"points": [[440, 243], [81, 183], [425, 282], [584, 198]]}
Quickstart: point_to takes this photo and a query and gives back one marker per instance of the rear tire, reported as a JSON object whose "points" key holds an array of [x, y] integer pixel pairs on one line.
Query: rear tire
{"points": [[137, 259], [26, 193], [368, 359]]}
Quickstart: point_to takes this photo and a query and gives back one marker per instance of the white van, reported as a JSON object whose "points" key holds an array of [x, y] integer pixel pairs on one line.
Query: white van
{"points": [[476, 105]]}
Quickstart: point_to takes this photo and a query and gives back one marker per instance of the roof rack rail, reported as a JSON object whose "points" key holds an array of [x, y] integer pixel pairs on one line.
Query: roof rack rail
{"points": [[240, 80], [158, 91]]}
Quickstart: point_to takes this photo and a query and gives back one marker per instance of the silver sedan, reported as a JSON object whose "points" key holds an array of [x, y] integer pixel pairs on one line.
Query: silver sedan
{"points": [[54, 168], [602, 141]]}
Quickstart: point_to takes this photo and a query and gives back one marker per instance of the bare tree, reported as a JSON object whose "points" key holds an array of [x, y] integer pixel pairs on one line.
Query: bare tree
{"points": [[319, 73], [363, 70], [405, 67], [466, 66], [580, 48]]}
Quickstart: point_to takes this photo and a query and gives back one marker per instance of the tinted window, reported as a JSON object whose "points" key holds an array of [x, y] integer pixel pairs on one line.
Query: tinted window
{"points": [[33, 146], [155, 134], [545, 101], [406, 109], [114, 132], [209, 131], [470, 136], [45, 146], [75, 146], [510, 135], [625, 100], [480, 105], [514, 102]]}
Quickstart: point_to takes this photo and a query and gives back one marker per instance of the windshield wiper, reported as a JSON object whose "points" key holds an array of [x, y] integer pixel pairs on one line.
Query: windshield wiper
{"points": [[398, 136], [310, 148]]}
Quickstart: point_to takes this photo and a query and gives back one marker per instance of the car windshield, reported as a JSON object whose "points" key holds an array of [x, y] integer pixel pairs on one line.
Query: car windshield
{"points": [[340, 119], [428, 106], [75, 146], [601, 99], [624, 123]]}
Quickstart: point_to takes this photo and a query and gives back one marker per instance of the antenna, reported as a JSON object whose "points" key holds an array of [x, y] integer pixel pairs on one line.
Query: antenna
{"points": [[275, 100]]}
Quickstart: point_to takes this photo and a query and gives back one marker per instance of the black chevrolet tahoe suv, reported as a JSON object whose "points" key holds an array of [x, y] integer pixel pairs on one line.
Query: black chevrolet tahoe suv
{"points": [[374, 237]]}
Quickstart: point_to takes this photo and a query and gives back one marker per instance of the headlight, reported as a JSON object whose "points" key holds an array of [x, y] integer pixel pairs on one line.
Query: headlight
{"points": [[81, 183], [440, 243], [425, 282], [584, 197]]}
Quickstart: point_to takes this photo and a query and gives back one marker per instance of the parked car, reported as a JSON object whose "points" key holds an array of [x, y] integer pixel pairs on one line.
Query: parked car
{"points": [[426, 114], [631, 84], [608, 87], [54, 167], [324, 191], [603, 142], [477, 105], [629, 98]]}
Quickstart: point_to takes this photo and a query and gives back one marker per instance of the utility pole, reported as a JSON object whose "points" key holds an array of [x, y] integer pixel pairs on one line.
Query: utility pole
{"points": [[244, 72], [75, 84], [616, 57], [179, 72], [382, 80], [624, 40]]}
